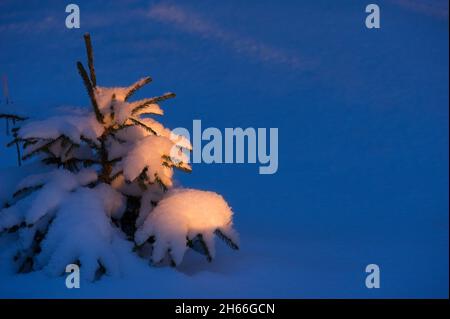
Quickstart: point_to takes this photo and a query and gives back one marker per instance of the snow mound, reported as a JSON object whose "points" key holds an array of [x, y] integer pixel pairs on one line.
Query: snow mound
{"points": [[183, 215]]}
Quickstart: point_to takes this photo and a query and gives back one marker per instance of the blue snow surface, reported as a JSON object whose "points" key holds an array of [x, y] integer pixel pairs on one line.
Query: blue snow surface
{"points": [[363, 135]]}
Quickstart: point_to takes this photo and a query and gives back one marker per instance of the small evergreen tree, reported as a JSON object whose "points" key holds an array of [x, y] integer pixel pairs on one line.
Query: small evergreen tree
{"points": [[108, 178]]}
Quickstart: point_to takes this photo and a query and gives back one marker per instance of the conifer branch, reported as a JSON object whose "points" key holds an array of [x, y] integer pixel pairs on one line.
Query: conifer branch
{"points": [[141, 182], [26, 142], [19, 158], [16, 136], [43, 148], [90, 91], [106, 166], [12, 117], [226, 239], [90, 56], [116, 175], [46, 147], [136, 86], [146, 102], [25, 258], [87, 162], [179, 165], [198, 244], [69, 150], [13, 229], [114, 160], [14, 141], [119, 127], [89, 142], [27, 190], [117, 139], [161, 184], [146, 127], [101, 270]]}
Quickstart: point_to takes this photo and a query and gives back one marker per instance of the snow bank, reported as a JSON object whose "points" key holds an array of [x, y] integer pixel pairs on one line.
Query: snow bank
{"points": [[183, 214]]}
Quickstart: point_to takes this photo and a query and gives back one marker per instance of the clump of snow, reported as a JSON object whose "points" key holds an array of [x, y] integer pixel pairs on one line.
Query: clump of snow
{"points": [[121, 110], [111, 101], [81, 232], [112, 104], [53, 187], [137, 132], [75, 218], [149, 153], [151, 108], [104, 96], [184, 214], [160, 130], [71, 126]]}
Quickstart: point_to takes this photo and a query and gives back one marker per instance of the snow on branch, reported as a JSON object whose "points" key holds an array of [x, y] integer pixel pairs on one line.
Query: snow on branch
{"points": [[90, 241], [143, 104], [75, 127], [50, 190], [186, 215], [149, 154], [136, 86]]}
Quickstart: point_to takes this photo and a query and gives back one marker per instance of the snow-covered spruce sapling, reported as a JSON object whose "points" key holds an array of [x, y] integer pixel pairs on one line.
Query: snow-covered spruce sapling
{"points": [[108, 179]]}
